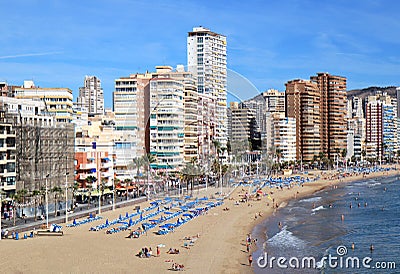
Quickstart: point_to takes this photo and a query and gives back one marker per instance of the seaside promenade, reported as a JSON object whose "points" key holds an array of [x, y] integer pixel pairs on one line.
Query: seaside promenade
{"points": [[217, 242]]}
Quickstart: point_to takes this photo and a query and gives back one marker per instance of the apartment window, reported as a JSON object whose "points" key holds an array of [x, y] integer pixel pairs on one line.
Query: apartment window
{"points": [[10, 181]]}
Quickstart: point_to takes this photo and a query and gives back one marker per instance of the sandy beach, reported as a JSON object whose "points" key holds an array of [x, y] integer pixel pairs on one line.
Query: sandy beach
{"points": [[219, 248]]}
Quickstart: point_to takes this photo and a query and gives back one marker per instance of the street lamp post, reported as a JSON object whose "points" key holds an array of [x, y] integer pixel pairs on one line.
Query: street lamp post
{"points": [[66, 197], [47, 204], [113, 207], [1, 207], [220, 177], [99, 198]]}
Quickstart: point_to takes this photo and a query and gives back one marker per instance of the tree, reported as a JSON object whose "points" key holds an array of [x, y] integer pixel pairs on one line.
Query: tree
{"points": [[278, 152], [138, 162], [35, 194], [57, 190], [149, 159], [363, 154], [74, 190], [190, 172], [90, 180], [22, 194], [344, 153], [217, 147]]}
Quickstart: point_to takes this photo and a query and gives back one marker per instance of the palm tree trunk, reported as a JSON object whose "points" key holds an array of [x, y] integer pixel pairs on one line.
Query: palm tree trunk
{"points": [[90, 197], [73, 199], [55, 205], [14, 213], [35, 209]]}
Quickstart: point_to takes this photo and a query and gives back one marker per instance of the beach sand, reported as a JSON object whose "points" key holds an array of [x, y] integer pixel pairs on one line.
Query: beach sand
{"points": [[220, 247]]}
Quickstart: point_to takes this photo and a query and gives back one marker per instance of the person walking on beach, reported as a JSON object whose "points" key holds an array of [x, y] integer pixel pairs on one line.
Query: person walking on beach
{"points": [[248, 247], [250, 260], [158, 251]]}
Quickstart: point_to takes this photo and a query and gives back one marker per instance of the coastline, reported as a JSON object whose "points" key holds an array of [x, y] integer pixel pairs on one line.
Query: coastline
{"points": [[220, 247], [326, 184]]}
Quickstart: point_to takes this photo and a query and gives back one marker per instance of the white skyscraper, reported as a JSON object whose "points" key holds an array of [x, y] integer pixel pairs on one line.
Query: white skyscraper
{"points": [[91, 95], [206, 52]]}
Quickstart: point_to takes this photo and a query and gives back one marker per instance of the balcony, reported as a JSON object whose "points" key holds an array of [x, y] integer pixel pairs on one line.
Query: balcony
{"points": [[6, 147], [7, 187], [84, 176], [5, 173], [106, 165], [87, 166], [106, 174]]}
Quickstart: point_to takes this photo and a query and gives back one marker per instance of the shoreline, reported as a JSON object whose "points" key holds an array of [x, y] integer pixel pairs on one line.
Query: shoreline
{"points": [[219, 248], [332, 183]]}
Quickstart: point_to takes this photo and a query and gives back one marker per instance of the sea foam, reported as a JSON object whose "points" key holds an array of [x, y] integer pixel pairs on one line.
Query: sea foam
{"points": [[317, 208], [285, 238], [311, 200]]}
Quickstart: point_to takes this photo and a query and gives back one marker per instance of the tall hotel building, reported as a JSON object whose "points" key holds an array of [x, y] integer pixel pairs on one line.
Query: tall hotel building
{"points": [[284, 136], [130, 106], [333, 107], [381, 130], [159, 111], [303, 104], [91, 96], [206, 54], [173, 118], [374, 122]]}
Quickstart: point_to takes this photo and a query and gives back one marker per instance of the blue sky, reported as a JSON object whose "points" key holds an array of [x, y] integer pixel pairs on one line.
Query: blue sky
{"points": [[57, 43]]}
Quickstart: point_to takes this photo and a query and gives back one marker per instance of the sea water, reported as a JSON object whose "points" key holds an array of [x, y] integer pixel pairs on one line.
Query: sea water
{"points": [[312, 227]]}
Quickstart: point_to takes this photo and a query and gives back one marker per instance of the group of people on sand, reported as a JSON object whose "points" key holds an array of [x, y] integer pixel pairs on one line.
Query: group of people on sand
{"points": [[250, 241], [145, 252], [148, 252]]}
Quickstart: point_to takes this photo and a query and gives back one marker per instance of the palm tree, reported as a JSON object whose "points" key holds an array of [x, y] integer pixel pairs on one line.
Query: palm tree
{"points": [[187, 174], [35, 194], [322, 159], [17, 199], [22, 193], [363, 154], [90, 180], [74, 190], [57, 190], [344, 152], [149, 159], [138, 162]]}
